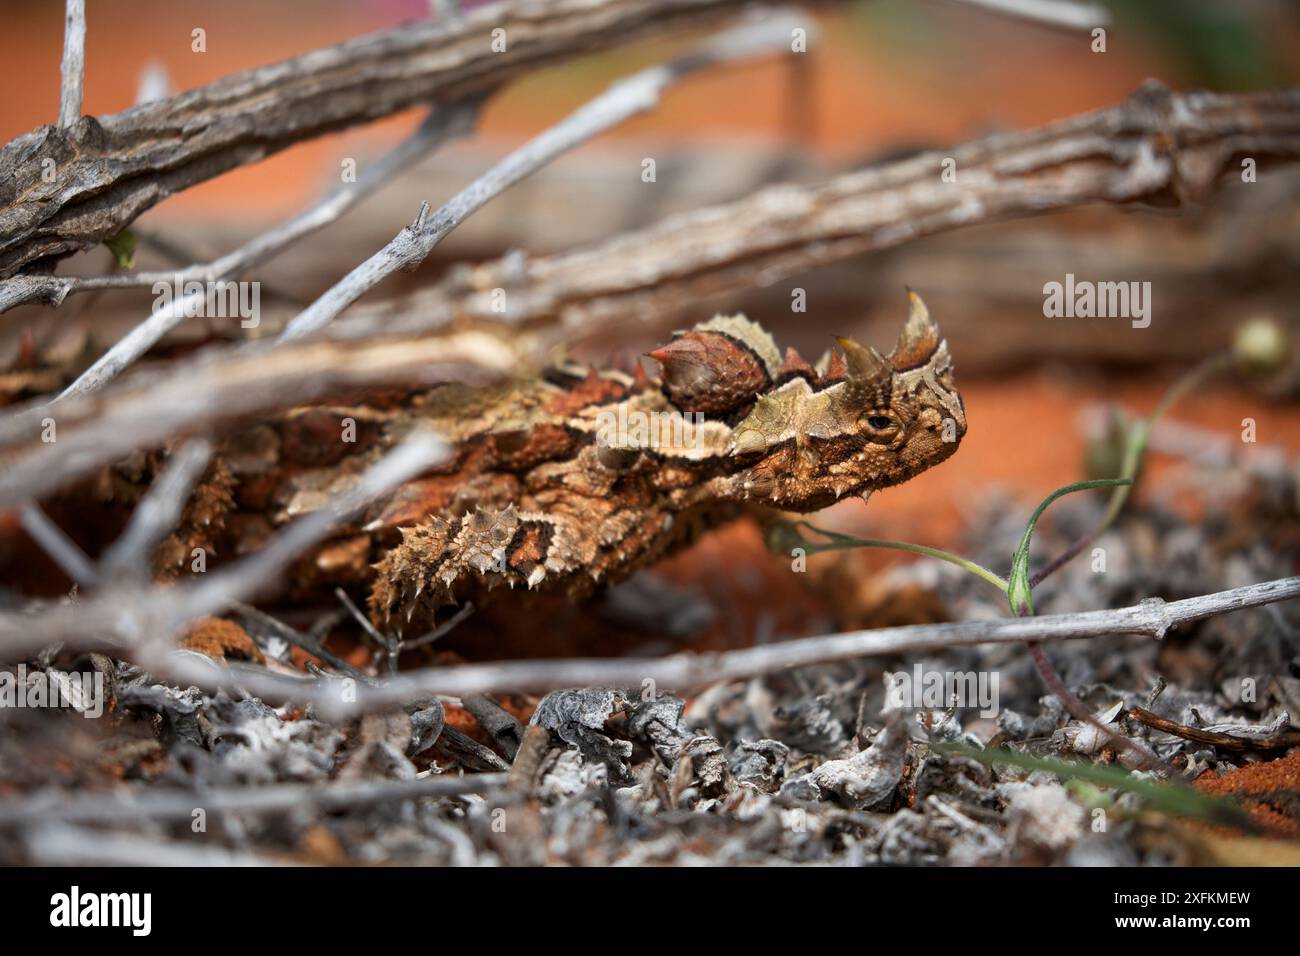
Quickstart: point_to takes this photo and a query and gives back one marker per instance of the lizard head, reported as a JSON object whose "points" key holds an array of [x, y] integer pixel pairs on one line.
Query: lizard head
{"points": [[802, 436]]}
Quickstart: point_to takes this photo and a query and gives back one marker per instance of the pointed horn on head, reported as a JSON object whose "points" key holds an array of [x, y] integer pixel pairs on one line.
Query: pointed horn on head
{"points": [[864, 365], [919, 338]]}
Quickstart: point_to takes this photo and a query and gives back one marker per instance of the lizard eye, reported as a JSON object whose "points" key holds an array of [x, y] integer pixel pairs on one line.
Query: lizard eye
{"points": [[881, 423]]}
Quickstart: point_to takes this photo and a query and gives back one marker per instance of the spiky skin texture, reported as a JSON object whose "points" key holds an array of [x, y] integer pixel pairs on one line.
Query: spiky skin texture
{"points": [[576, 480]]}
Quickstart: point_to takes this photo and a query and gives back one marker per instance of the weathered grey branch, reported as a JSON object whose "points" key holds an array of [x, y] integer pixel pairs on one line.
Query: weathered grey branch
{"points": [[1156, 147], [73, 67], [625, 99], [308, 643], [110, 170], [57, 844], [683, 672], [441, 126]]}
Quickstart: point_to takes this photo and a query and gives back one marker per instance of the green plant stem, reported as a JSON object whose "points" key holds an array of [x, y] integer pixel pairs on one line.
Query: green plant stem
{"points": [[839, 541]]}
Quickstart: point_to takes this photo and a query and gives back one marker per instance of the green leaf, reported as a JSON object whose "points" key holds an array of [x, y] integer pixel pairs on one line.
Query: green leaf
{"points": [[1020, 595], [123, 248]]}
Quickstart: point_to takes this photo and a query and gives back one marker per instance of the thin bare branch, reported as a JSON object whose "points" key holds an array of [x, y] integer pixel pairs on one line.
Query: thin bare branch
{"points": [[1068, 14], [361, 619], [683, 672], [444, 9], [65, 552], [626, 98], [391, 644], [442, 630], [1279, 740], [305, 641], [1054, 682], [61, 845], [74, 62]]}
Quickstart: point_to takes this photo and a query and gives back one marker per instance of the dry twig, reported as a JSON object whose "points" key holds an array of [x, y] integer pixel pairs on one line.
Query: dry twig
{"points": [[1279, 741], [73, 67], [157, 513], [162, 804], [1068, 14], [61, 845], [67, 554]]}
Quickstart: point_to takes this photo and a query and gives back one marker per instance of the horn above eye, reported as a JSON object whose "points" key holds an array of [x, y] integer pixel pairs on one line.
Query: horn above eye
{"points": [[919, 338], [864, 364]]}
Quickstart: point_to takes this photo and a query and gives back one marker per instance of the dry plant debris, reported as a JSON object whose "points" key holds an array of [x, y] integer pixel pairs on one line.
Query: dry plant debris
{"points": [[810, 765]]}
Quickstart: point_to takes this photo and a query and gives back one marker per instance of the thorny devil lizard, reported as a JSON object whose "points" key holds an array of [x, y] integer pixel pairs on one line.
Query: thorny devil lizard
{"points": [[578, 478]]}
